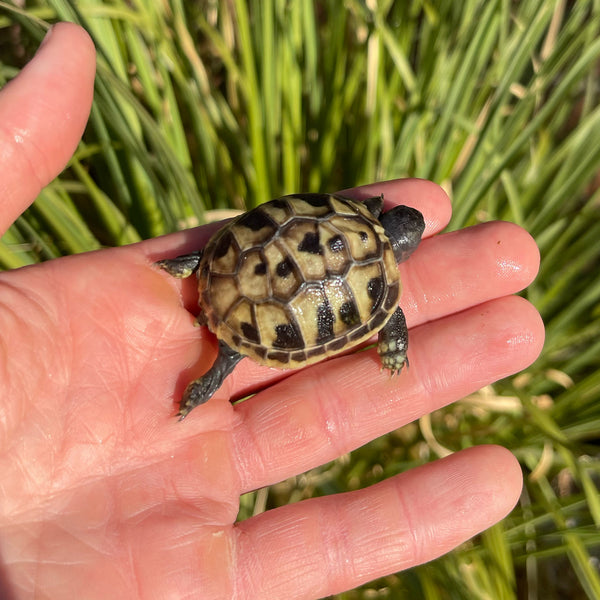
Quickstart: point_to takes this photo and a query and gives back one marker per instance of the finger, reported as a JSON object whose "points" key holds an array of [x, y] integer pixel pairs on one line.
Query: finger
{"points": [[425, 195], [428, 197], [43, 112], [421, 194], [320, 413], [326, 545], [458, 270]]}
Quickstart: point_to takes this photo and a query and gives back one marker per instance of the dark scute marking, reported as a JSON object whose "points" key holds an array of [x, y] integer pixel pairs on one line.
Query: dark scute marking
{"points": [[337, 344], [282, 357], [336, 243], [288, 336], [250, 332], [260, 351], [316, 200], [236, 339], [360, 332], [325, 320], [390, 301], [310, 243], [260, 268], [255, 219], [298, 356], [375, 291], [379, 319], [364, 236], [349, 313], [284, 268], [315, 351], [279, 203], [223, 245], [206, 297]]}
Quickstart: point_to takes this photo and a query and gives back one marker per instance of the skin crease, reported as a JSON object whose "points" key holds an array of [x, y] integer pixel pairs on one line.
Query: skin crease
{"points": [[103, 490]]}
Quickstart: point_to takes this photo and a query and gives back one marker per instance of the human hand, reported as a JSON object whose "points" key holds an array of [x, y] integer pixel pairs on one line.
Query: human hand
{"points": [[104, 494]]}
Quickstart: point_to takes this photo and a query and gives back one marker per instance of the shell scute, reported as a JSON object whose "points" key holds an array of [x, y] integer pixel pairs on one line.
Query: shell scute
{"points": [[252, 277], [363, 242], [226, 255]]}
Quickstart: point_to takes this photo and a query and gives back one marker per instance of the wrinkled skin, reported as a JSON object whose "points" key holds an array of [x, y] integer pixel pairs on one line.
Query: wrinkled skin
{"points": [[102, 490]]}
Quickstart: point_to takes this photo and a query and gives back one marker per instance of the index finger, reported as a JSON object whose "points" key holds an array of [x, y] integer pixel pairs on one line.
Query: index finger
{"points": [[424, 195]]}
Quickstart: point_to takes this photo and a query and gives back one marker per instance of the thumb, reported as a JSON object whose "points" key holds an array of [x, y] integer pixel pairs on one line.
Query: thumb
{"points": [[43, 112]]}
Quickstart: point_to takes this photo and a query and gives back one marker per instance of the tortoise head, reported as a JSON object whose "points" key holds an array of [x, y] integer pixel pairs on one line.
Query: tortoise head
{"points": [[404, 227]]}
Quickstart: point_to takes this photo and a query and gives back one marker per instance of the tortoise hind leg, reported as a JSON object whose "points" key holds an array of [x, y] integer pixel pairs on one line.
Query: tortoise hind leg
{"points": [[201, 390], [393, 343]]}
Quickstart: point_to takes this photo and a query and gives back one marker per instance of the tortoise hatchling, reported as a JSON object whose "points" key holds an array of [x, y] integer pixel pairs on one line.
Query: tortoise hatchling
{"points": [[301, 278]]}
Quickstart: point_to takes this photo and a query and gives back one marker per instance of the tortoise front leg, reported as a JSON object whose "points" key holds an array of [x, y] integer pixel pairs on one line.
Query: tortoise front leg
{"points": [[181, 266], [200, 391], [393, 343]]}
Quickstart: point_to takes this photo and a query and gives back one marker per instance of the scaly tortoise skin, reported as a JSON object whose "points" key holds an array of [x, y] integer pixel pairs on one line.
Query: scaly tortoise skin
{"points": [[299, 279]]}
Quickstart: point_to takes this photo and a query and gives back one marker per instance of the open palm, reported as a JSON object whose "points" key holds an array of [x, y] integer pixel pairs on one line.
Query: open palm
{"points": [[104, 494]]}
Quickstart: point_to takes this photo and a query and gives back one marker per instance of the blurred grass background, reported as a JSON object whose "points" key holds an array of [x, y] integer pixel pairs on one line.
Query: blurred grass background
{"points": [[225, 104]]}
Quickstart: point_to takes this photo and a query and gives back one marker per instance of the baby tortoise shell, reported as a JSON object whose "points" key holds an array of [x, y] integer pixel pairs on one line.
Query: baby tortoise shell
{"points": [[299, 279]]}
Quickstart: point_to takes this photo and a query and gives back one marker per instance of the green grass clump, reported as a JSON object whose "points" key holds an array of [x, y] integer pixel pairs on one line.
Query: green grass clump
{"points": [[211, 105]]}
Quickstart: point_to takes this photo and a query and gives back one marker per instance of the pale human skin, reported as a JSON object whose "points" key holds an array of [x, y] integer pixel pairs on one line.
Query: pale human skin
{"points": [[104, 494]]}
